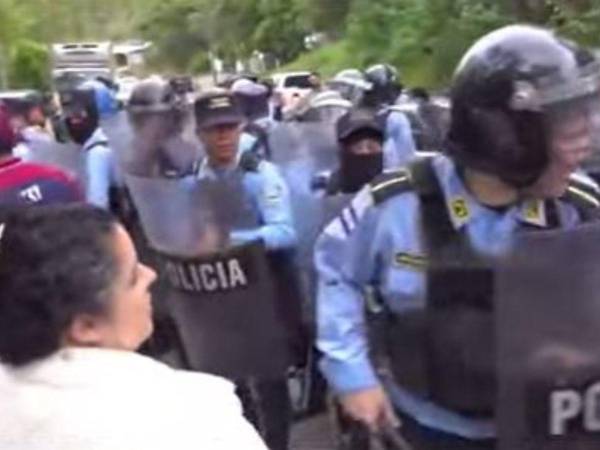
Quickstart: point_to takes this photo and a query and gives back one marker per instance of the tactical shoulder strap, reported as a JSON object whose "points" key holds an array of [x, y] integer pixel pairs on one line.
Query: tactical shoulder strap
{"points": [[584, 196], [97, 144], [420, 178], [436, 222], [262, 138], [389, 184]]}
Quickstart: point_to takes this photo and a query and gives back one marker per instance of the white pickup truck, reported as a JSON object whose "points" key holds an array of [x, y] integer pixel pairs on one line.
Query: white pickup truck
{"points": [[291, 87]]}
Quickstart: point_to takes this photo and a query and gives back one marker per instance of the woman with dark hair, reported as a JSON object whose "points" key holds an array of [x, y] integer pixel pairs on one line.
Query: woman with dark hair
{"points": [[75, 305]]}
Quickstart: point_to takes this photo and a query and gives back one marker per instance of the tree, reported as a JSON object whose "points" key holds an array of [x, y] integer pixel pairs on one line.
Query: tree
{"points": [[29, 66]]}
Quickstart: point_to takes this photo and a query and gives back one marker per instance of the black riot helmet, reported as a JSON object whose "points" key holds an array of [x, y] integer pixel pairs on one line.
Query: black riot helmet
{"points": [[80, 113], [159, 114], [386, 84], [510, 91], [155, 102]]}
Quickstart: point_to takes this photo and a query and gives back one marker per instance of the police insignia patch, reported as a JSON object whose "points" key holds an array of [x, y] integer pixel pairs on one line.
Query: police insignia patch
{"points": [[460, 210], [532, 211], [417, 262], [535, 212]]}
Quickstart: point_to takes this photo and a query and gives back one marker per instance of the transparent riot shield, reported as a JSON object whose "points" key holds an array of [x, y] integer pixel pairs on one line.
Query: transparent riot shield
{"points": [[66, 156], [548, 336], [221, 293], [302, 150], [160, 146], [118, 130], [326, 106]]}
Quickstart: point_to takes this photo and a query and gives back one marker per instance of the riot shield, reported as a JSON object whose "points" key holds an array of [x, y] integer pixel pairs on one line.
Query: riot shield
{"points": [[221, 294], [66, 156], [159, 152], [302, 150], [118, 131], [548, 336], [326, 106]]}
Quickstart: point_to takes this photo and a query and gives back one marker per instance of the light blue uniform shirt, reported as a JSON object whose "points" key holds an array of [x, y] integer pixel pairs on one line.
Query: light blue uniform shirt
{"points": [[358, 250], [269, 198], [399, 146], [101, 169]]}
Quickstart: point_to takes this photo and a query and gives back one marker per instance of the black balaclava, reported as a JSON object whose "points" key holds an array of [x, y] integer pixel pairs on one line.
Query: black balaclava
{"points": [[81, 114], [358, 170]]}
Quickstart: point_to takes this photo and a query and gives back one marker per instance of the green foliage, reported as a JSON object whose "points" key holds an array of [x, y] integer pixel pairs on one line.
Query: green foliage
{"points": [[326, 60], [200, 63], [29, 66], [580, 24], [327, 16], [279, 30], [423, 38]]}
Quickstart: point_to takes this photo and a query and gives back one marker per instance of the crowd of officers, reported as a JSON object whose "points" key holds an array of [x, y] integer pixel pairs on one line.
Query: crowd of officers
{"points": [[524, 112]]}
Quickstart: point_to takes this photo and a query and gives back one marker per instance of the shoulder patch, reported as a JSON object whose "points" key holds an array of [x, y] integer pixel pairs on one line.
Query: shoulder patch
{"points": [[581, 199], [347, 220], [390, 184], [96, 144], [585, 184], [582, 192]]}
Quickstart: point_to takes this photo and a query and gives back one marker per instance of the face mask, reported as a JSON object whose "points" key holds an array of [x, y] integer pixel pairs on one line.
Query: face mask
{"points": [[80, 129], [358, 170]]}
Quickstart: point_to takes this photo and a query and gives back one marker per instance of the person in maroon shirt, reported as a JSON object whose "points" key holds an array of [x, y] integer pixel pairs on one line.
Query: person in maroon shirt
{"points": [[23, 183]]}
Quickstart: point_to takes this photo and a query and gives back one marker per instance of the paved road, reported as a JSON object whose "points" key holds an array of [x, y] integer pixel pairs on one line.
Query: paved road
{"points": [[313, 434]]}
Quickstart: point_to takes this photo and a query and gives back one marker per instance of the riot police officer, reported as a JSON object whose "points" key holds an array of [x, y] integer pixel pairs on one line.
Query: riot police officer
{"points": [[423, 240], [381, 97], [158, 115], [253, 98], [210, 211], [82, 121], [385, 85], [219, 124], [360, 138], [351, 84]]}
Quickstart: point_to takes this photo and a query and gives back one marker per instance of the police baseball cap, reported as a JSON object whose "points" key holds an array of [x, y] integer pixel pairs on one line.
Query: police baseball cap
{"points": [[356, 121], [217, 108]]}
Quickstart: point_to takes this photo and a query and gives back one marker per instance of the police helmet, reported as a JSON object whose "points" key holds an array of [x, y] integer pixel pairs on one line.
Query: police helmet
{"points": [[105, 97], [352, 77], [153, 95], [509, 90], [351, 84], [80, 102], [386, 85], [382, 75]]}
